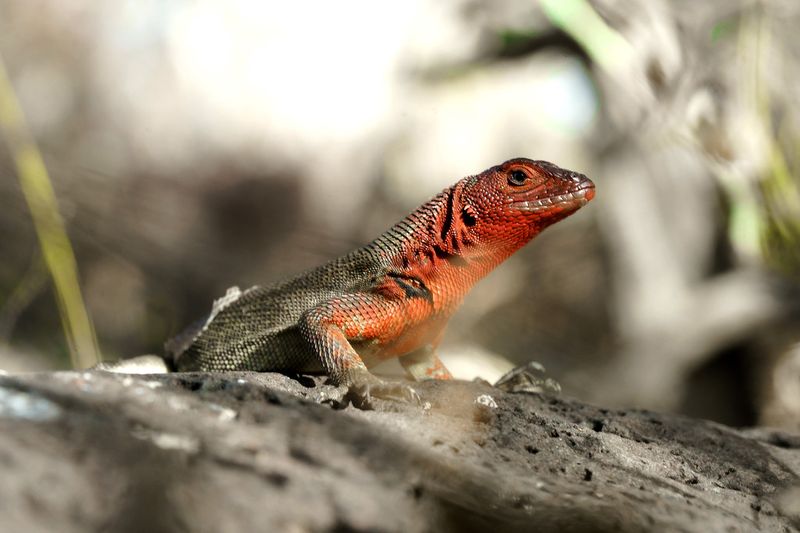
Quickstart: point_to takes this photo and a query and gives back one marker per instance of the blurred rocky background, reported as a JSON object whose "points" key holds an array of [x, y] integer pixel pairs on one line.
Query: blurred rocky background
{"points": [[195, 145]]}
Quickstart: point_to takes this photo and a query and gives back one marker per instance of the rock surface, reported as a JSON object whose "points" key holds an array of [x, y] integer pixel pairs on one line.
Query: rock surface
{"points": [[91, 451]]}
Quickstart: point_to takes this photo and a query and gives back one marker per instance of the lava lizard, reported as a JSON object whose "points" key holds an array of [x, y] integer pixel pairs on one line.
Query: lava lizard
{"points": [[390, 298]]}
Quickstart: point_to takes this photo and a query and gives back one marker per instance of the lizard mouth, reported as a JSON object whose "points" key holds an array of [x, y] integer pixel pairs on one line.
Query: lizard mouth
{"points": [[569, 200]]}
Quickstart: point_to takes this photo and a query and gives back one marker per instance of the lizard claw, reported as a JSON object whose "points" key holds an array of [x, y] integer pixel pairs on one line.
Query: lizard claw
{"points": [[362, 393]]}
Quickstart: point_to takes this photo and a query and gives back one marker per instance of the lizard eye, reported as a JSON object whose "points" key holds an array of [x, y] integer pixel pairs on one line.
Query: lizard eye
{"points": [[517, 177]]}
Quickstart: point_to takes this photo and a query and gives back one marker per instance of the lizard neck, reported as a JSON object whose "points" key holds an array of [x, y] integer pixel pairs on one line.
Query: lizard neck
{"points": [[433, 244]]}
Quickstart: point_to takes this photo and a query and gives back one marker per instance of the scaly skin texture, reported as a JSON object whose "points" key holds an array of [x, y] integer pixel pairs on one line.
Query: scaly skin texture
{"points": [[394, 296]]}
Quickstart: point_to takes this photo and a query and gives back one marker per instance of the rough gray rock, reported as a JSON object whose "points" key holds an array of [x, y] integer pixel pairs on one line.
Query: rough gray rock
{"points": [[90, 451]]}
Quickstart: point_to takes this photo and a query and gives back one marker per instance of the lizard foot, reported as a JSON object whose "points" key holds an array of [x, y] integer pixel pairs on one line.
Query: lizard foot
{"points": [[527, 378], [363, 392]]}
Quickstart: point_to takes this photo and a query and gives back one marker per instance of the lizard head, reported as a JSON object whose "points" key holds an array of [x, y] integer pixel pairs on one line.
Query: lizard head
{"points": [[511, 203]]}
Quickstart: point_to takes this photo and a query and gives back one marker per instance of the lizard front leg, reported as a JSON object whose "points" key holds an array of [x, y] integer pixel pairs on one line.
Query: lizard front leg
{"points": [[330, 327]]}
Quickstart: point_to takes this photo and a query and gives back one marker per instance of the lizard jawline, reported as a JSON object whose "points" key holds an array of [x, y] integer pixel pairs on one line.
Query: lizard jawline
{"points": [[576, 199]]}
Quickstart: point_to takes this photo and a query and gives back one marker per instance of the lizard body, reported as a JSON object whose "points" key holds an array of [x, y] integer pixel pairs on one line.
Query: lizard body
{"points": [[392, 297]]}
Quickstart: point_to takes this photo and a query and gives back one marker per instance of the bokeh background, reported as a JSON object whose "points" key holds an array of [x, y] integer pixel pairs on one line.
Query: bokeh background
{"points": [[196, 144]]}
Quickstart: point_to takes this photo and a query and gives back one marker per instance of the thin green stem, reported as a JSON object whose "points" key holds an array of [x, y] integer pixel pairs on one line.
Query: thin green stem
{"points": [[53, 240]]}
